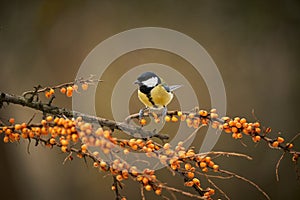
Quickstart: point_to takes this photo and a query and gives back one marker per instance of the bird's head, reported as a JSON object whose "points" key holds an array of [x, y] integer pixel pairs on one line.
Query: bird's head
{"points": [[148, 79]]}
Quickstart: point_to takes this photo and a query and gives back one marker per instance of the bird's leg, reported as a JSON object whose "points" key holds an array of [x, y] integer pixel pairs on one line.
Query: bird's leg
{"points": [[164, 112], [141, 112]]}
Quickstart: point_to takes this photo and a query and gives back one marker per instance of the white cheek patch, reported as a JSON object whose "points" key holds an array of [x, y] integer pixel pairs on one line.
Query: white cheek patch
{"points": [[151, 82]]}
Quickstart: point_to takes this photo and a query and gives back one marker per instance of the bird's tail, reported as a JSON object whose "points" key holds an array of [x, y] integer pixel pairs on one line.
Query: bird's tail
{"points": [[174, 87]]}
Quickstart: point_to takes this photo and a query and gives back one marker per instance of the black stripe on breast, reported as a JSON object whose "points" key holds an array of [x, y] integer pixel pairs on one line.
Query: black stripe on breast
{"points": [[147, 91]]}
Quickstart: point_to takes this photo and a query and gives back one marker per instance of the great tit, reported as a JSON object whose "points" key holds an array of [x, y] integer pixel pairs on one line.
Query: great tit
{"points": [[153, 92]]}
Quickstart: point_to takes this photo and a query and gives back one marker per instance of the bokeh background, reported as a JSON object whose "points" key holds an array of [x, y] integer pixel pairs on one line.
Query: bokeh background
{"points": [[255, 45]]}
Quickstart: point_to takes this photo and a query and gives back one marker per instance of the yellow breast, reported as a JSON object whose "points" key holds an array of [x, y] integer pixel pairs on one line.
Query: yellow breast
{"points": [[160, 97]]}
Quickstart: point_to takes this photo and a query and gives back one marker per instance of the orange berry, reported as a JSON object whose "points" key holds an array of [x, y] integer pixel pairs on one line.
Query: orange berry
{"points": [[238, 125], [49, 118], [51, 91], [216, 167], [84, 86], [203, 164], [179, 113], [119, 177], [196, 182], [257, 130], [289, 145], [64, 148], [113, 187], [64, 142], [18, 126], [63, 90], [207, 159], [143, 122], [205, 169], [190, 175], [234, 129], [6, 139], [47, 94], [52, 141], [275, 144], [148, 187], [203, 113], [189, 183], [96, 164], [280, 140], [11, 120], [158, 191], [167, 118], [174, 119]]}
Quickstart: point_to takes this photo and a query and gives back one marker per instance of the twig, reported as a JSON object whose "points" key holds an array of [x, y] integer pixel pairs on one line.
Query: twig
{"points": [[219, 189], [182, 192], [277, 166], [142, 192], [248, 181]]}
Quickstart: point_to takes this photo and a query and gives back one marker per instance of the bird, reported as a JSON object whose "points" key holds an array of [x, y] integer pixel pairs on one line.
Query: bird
{"points": [[154, 93]]}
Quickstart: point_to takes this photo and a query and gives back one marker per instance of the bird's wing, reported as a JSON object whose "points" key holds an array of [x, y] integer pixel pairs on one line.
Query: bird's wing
{"points": [[174, 87]]}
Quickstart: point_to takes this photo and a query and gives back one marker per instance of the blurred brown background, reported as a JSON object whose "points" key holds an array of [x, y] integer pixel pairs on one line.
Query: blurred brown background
{"points": [[255, 45]]}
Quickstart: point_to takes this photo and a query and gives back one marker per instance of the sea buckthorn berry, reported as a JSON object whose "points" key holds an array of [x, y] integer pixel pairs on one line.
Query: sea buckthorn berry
{"points": [[214, 115], [189, 183], [256, 124], [189, 122], [119, 177], [83, 148], [52, 141], [96, 164], [236, 119], [231, 123], [47, 94], [238, 125], [211, 164], [257, 130], [158, 191], [64, 148], [280, 140], [268, 130], [207, 159], [289, 145], [6, 139], [215, 167], [205, 169], [148, 187], [11, 120], [239, 135], [190, 175], [167, 146], [49, 118], [234, 129], [295, 157], [51, 91], [18, 127], [203, 113], [63, 90], [143, 122], [64, 142], [203, 164], [213, 110], [183, 117], [211, 191], [243, 120], [191, 115], [167, 118], [174, 119], [179, 113], [275, 144], [196, 182], [84, 86], [113, 188], [256, 138]]}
